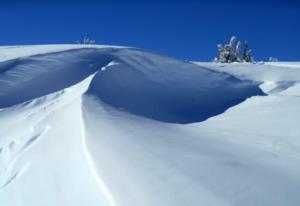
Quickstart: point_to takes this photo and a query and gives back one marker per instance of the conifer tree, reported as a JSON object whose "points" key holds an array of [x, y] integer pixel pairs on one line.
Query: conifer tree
{"points": [[238, 52], [247, 56]]}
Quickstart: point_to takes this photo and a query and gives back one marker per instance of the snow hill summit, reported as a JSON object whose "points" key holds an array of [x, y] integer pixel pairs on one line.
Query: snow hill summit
{"points": [[101, 125]]}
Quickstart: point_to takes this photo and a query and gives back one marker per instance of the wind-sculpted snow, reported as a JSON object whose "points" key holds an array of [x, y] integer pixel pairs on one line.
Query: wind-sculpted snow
{"points": [[90, 135], [168, 90], [138, 82], [27, 78]]}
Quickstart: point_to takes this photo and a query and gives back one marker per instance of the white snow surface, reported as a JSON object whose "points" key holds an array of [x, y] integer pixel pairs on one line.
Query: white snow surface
{"points": [[116, 126], [14, 52]]}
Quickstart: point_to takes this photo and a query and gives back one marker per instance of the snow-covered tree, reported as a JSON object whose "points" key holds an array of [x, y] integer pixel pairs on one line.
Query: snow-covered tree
{"points": [[273, 59], [238, 52], [221, 55], [88, 40], [231, 52], [227, 53], [232, 41], [231, 57], [247, 56]]}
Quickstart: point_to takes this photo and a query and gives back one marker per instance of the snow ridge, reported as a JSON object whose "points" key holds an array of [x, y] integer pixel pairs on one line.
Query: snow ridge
{"points": [[110, 126]]}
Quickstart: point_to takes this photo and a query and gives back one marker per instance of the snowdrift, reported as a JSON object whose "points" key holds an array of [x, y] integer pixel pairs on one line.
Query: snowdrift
{"points": [[135, 81], [111, 126]]}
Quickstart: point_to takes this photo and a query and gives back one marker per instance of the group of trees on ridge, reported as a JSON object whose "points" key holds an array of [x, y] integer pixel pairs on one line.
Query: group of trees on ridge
{"points": [[234, 52], [86, 40]]}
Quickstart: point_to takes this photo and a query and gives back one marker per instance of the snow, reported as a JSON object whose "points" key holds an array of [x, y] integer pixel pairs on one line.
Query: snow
{"points": [[15, 52], [295, 65], [121, 126], [139, 82], [273, 77]]}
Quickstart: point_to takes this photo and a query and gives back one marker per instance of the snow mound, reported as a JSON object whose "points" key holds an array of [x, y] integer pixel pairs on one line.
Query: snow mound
{"points": [[135, 81], [99, 126]]}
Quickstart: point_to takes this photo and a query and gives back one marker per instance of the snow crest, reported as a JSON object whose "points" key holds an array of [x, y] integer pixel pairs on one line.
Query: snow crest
{"points": [[138, 82]]}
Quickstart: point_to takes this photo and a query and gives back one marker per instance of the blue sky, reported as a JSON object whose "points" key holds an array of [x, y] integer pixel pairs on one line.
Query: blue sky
{"points": [[183, 29]]}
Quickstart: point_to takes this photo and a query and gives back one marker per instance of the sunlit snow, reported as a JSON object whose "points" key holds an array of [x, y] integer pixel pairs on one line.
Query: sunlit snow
{"points": [[116, 126]]}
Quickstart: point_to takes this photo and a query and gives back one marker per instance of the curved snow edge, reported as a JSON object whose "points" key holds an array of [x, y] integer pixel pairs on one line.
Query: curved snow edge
{"points": [[15, 52]]}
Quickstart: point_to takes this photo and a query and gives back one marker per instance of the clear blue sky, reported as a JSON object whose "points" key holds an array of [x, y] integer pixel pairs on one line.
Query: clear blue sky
{"points": [[183, 29]]}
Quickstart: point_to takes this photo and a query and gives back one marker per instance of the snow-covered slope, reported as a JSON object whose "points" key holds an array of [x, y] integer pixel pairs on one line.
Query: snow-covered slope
{"points": [[273, 76], [139, 82], [108, 126]]}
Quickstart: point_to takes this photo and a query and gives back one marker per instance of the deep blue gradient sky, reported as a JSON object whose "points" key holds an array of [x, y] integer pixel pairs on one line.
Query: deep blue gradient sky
{"points": [[183, 29]]}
